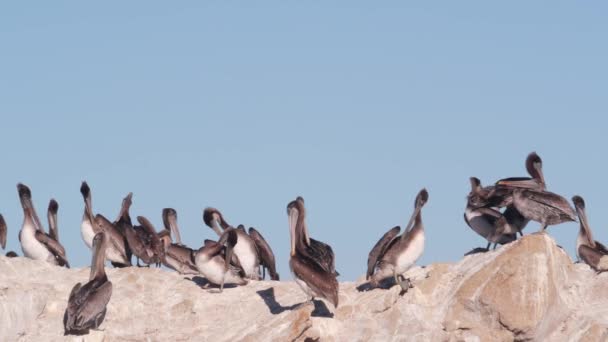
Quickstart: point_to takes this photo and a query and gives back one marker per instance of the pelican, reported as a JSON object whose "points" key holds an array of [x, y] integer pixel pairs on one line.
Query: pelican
{"points": [[52, 218], [486, 221], [592, 252], [265, 254], [35, 243], [3, 232], [544, 207], [245, 248], [393, 255], [312, 268], [144, 241], [536, 181], [87, 226], [116, 251], [213, 261], [177, 256], [87, 304]]}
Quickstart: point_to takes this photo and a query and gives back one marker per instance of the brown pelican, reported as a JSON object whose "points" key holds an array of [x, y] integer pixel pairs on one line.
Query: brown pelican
{"points": [[87, 303], [393, 255], [213, 261], [245, 248], [486, 221], [52, 217], [144, 241], [35, 243], [592, 252], [3, 232], [177, 256], [312, 268], [536, 181], [116, 251], [544, 207], [87, 227], [265, 254]]}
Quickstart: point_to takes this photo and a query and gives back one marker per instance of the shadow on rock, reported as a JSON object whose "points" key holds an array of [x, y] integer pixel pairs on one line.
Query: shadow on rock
{"points": [[203, 283], [385, 284], [476, 251], [276, 308], [271, 302]]}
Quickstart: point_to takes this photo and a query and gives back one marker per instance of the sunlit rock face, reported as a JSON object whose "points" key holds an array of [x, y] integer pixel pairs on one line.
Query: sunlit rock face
{"points": [[528, 290]]}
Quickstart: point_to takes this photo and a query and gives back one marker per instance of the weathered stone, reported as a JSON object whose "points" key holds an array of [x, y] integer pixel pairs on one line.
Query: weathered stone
{"points": [[527, 290]]}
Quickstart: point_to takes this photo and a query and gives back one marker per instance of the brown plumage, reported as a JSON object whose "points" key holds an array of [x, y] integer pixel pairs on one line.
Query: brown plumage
{"points": [[265, 254], [3, 232], [592, 252], [312, 269], [87, 303], [544, 207]]}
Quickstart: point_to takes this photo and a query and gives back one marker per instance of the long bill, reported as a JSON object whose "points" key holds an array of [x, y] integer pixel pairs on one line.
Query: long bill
{"points": [[293, 221], [584, 224], [410, 223], [99, 251], [174, 228]]}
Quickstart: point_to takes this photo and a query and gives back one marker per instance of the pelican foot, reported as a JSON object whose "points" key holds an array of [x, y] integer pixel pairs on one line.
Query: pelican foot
{"points": [[405, 284]]}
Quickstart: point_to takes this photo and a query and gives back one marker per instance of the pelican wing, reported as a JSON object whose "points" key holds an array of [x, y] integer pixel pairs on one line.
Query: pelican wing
{"points": [[377, 252], [590, 256], [601, 248], [264, 252], [554, 203], [116, 238], [323, 254], [322, 283], [53, 246], [93, 306], [182, 254]]}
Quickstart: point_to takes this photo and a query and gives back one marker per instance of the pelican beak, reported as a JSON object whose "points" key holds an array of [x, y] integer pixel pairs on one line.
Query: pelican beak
{"points": [[410, 223], [526, 183], [215, 225], [293, 220]]}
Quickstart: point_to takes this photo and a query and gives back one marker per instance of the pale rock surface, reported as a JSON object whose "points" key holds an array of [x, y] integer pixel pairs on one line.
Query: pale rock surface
{"points": [[528, 290]]}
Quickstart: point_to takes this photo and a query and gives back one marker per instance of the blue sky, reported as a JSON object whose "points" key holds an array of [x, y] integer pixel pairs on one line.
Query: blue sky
{"points": [[354, 106]]}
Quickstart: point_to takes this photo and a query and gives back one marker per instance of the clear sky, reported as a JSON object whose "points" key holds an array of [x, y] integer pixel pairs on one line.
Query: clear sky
{"points": [[354, 106]]}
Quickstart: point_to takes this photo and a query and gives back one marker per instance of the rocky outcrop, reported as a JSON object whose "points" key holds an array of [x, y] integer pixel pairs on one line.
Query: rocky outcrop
{"points": [[528, 290]]}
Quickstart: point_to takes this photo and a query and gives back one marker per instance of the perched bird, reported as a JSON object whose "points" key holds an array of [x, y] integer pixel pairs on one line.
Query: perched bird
{"points": [[393, 255], [35, 242], [87, 303], [536, 181], [117, 252], [213, 261], [486, 221], [176, 256], [144, 242], [544, 207], [592, 252], [245, 248], [313, 268]]}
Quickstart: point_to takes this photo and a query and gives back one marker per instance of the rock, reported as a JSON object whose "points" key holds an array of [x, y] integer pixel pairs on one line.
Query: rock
{"points": [[528, 290]]}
